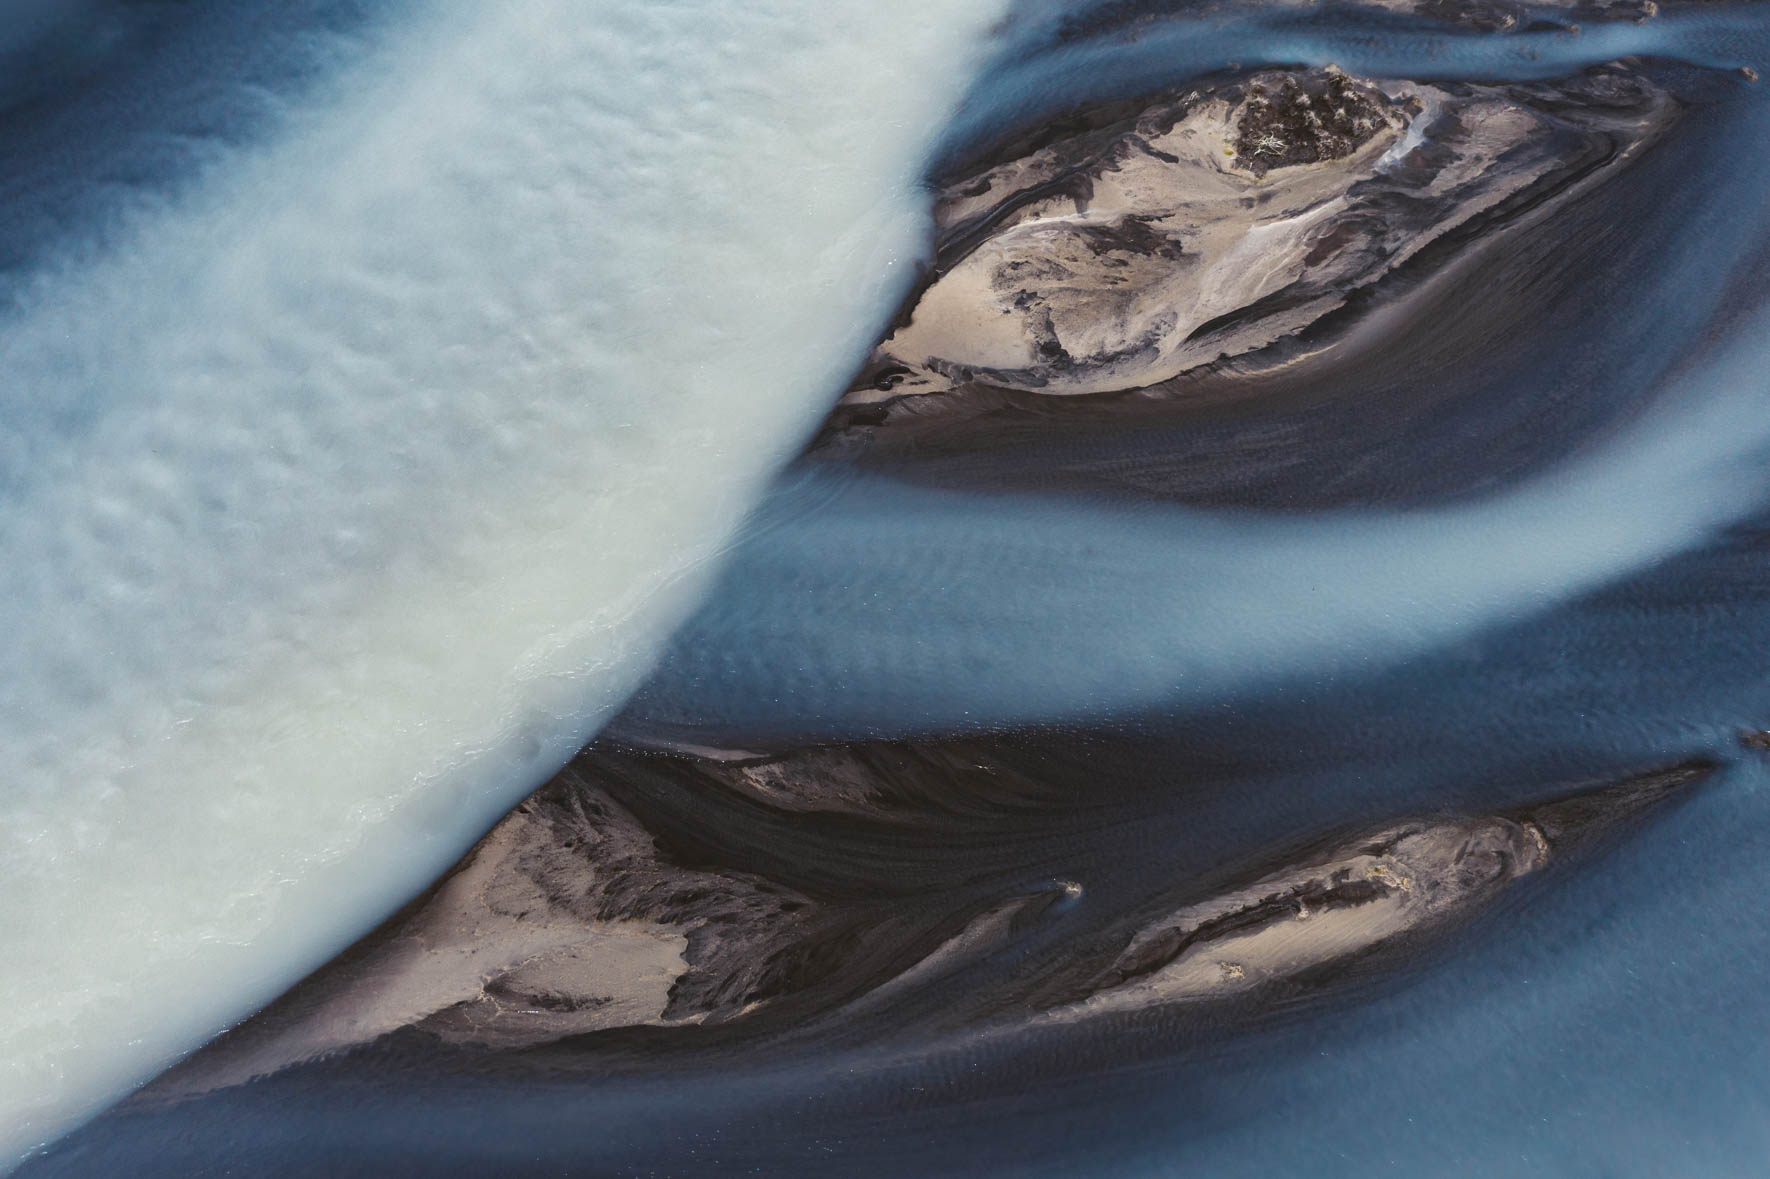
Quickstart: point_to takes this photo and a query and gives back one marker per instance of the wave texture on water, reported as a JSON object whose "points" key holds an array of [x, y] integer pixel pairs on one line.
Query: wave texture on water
{"points": [[346, 488]]}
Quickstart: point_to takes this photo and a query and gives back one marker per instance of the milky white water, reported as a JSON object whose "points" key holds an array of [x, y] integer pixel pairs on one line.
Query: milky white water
{"points": [[343, 502]]}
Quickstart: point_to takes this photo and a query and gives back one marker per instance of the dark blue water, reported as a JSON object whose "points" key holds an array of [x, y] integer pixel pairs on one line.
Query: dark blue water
{"points": [[1544, 562], [109, 105]]}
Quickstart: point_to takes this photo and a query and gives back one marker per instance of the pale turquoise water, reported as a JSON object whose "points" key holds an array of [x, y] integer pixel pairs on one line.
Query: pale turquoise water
{"points": [[1345, 645]]}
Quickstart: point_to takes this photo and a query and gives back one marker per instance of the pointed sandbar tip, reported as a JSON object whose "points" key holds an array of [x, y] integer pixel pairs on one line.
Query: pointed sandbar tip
{"points": [[1575, 819]]}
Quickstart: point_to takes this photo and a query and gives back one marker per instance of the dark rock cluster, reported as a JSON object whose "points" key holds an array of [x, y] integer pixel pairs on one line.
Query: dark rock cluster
{"points": [[1306, 118]]}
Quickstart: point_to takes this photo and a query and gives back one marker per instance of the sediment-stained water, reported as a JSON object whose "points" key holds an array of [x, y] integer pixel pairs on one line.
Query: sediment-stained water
{"points": [[1248, 662], [344, 492]]}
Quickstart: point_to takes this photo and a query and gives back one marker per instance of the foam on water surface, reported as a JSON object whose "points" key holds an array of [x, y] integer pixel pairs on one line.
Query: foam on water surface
{"points": [[344, 499]]}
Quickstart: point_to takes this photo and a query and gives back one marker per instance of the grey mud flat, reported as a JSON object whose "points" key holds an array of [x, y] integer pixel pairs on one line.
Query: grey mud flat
{"points": [[570, 919], [1222, 223]]}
